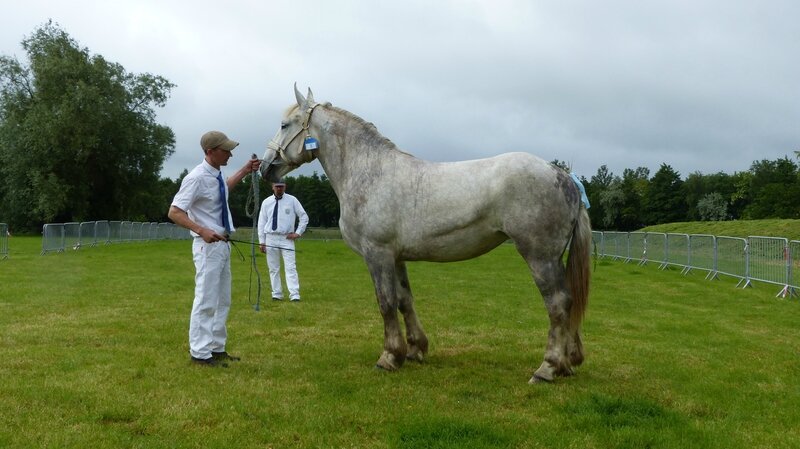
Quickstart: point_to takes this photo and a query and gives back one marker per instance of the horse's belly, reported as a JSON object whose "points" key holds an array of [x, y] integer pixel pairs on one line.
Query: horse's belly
{"points": [[451, 247]]}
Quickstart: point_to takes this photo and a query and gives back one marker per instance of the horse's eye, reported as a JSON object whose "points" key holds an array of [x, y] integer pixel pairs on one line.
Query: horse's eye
{"points": [[284, 125]]}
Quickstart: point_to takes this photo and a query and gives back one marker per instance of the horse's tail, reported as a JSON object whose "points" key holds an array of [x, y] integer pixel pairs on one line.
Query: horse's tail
{"points": [[578, 267]]}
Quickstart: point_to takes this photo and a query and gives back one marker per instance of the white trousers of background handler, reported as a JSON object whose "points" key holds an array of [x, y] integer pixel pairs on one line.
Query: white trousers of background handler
{"points": [[274, 244], [212, 292]]}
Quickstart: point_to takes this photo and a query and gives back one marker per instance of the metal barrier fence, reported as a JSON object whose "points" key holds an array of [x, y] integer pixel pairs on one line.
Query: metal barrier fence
{"points": [[766, 259], [3, 241], [57, 237], [771, 260]]}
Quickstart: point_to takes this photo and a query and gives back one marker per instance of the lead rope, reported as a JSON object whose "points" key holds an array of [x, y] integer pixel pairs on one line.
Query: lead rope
{"points": [[251, 210]]}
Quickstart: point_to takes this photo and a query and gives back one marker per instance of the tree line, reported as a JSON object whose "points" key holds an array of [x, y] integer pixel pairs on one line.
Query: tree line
{"points": [[78, 136], [769, 189], [79, 142]]}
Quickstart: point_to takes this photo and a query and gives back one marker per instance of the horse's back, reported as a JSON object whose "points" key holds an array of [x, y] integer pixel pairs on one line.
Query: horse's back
{"points": [[459, 210]]}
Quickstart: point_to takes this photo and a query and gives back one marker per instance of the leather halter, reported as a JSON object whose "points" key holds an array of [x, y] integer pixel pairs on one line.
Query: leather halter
{"points": [[306, 122]]}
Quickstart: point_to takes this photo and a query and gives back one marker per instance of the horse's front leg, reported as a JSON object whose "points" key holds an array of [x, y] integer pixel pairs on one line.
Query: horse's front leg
{"points": [[384, 276], [415, 336]]}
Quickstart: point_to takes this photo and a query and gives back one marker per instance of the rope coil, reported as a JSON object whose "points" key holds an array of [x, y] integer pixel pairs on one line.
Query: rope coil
{"points": [[251, 210]]}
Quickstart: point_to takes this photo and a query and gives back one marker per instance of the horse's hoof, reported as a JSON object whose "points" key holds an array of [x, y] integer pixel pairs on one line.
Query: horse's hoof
{"points": [[416, 357], [387, 362], [539, 380]]}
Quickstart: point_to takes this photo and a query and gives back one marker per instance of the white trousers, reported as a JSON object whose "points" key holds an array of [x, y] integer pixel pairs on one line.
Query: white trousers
{"points": [[212, 298], [274, 252]]}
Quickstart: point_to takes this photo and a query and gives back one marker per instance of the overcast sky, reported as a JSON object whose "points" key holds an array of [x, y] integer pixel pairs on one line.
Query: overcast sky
{"points": [[699, 85]]}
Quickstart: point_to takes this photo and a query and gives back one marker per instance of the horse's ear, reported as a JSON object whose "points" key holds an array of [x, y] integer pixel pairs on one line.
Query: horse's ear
{"points": [[310, 97], [300, 100]]}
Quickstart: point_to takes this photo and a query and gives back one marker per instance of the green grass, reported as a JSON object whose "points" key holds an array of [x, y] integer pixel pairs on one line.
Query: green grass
{"points": [[785, 228], [94, 354]]}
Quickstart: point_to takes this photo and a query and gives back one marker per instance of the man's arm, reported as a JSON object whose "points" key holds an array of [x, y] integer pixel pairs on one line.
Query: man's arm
{"points": [[251, 166], [302, 222], [303, 217], [181, 218]]}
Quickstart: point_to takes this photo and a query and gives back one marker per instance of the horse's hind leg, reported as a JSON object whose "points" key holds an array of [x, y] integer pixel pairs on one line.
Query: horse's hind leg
{"points": [[385, 278], [415, 336], [562, 347]]}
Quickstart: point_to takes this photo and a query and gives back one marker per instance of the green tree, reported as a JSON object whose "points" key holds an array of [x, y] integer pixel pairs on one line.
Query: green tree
{"points": [[316, 195], [774, 190], [634, 186], [741, 195], [78, 137], [314, 192], [663, 200], [612, 199], [698, 187], [598, 184], [562, 165], [713, 207]]}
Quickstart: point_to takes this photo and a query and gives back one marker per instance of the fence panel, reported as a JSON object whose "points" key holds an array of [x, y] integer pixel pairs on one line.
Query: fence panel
{"points": [[179, 233], [637, 247], [656, 243], [53, 238], [794, 266], [678, 251], [731, 257], [702, 253], [125, 230], [86, 234], [72, 235], [164, 230], [597, 243], [102, 232], [616, 245], [153, 232], [3, 241], [114, 231], [769, 260]]}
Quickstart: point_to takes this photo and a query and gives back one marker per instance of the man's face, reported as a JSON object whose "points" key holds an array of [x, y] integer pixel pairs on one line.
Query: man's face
{"points": [[278, 190], [218, 157]]}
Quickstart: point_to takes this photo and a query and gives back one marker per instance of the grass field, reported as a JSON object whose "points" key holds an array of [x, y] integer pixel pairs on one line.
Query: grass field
{"points": [[94, 355], [785, 228]]}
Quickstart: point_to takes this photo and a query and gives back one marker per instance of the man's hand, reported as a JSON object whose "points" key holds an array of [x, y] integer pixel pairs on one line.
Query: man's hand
{"points": [[292, 236], [254, 164], [209, 236], [263, 248]]}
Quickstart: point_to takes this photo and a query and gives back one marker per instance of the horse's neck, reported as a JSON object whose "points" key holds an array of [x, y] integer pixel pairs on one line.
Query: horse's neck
{"points": [[355, 151]]}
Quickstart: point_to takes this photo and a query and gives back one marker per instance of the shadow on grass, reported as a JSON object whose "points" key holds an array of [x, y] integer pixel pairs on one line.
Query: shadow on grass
{"points": [[448, 433], [624, 422]]}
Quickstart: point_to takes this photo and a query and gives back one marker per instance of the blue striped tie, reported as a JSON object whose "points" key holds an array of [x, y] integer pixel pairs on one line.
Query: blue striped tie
{"points": [[225, 222]]}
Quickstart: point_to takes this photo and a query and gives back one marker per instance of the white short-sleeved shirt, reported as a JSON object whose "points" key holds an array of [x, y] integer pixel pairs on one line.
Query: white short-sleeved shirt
{"points": [[289, 209], [199, 197]]}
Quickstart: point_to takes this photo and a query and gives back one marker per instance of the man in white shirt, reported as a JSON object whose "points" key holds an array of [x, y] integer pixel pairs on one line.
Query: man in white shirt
{"points": [[277, 233], [201, 205]]}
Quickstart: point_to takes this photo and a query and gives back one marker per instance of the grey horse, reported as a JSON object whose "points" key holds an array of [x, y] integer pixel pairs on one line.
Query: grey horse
{"points": [[397, 208]]}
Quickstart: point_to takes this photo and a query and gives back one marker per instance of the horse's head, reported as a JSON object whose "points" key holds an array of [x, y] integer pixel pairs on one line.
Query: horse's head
{"points": [[293, 144]]}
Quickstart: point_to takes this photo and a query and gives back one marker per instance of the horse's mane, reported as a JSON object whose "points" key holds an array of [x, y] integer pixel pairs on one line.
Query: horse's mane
{"points": [[369, 128]]}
